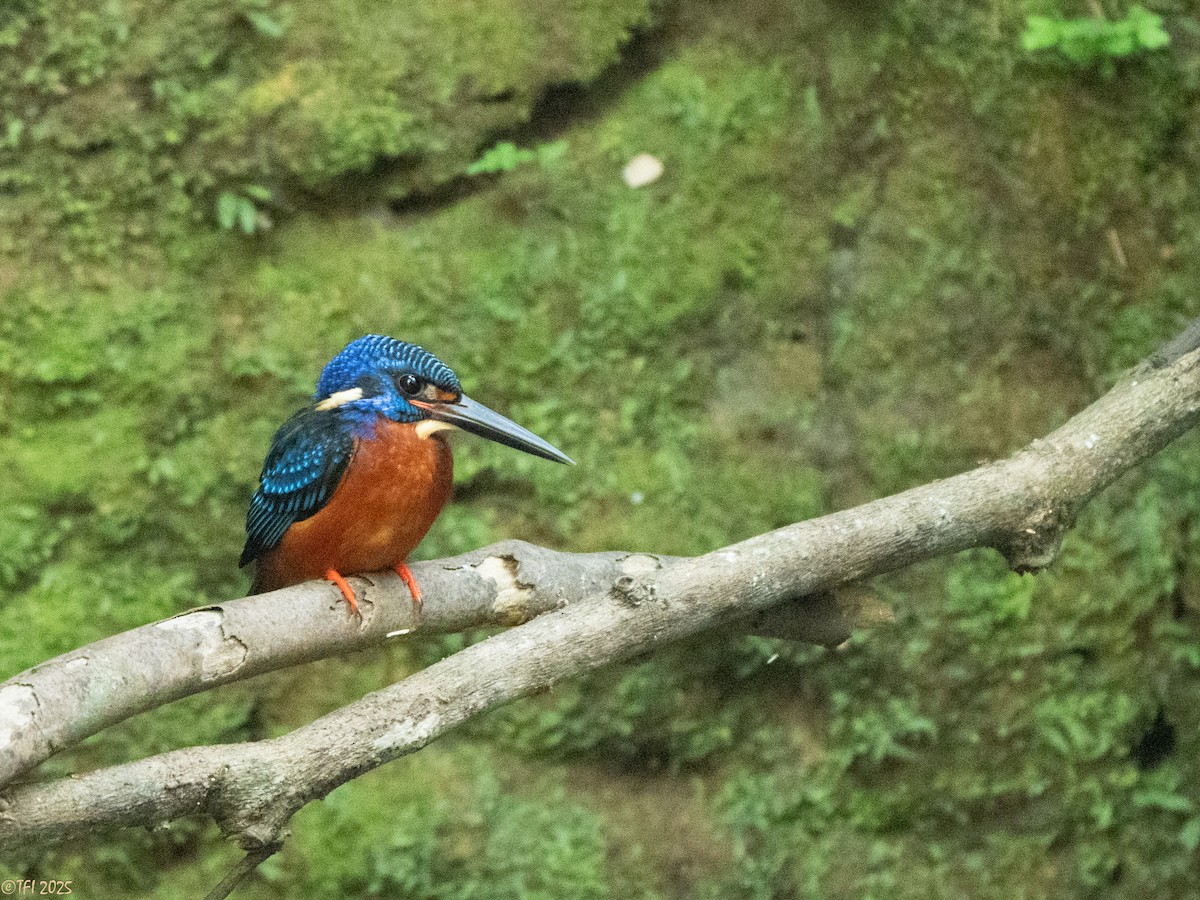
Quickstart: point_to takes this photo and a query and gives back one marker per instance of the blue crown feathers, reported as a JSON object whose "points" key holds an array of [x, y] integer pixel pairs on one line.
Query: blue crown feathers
{"points": [[370, 354]]}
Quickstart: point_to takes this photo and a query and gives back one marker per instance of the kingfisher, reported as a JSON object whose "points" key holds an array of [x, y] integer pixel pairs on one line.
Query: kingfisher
{"points": [[353, 481]]}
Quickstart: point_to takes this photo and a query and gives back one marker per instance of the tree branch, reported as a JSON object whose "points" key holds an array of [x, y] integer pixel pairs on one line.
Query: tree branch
{"points": [[59, 703], [1020, 506], [242, 870]]}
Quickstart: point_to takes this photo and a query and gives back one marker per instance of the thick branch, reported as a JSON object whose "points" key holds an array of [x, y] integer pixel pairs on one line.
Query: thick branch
{"points": [[59, 703], [1021, 506]]}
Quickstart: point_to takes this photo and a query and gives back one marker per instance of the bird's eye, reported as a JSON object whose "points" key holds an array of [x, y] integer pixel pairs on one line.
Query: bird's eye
{"points": [[409, 384]]}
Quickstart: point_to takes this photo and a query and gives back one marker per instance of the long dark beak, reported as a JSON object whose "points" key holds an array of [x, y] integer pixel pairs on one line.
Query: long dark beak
{"points": [[478, 419]]}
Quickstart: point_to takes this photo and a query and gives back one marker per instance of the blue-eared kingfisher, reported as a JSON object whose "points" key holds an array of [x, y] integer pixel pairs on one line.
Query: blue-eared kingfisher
{"points": [[354, 480]]}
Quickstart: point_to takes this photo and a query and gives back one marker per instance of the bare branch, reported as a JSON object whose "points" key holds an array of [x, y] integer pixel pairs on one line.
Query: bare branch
{"points": [[241, 871], [1021, 506], [61, 702]]}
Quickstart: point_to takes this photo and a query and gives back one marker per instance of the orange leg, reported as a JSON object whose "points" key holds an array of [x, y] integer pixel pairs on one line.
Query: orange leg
{"points": [[406, 574], [344, 586]]}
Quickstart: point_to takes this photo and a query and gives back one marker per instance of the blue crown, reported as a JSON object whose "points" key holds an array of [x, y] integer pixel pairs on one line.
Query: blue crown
{"points": [[373, 353]]}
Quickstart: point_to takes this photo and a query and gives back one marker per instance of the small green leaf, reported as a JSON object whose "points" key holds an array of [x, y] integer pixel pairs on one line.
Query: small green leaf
{"points": [[264, 24], [1149, 28], [1162, 800], [1189, 835], [227, 209], [1040, 33], [247, 215], [549, 154], [1056, 740], [504, 157], [812, 107], [1119, 42]]}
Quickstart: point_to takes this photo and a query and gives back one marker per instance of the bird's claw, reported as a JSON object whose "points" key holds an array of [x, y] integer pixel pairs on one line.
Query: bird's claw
{"points": [[409, 579], [347, 592]]}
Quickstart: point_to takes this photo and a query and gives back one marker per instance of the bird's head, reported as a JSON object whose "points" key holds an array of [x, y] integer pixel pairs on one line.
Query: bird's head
{"points": [[380, 376]]}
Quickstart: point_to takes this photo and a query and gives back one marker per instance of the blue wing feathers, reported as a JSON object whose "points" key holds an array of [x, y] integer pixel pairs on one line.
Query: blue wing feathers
{"points": [[308, 457]]}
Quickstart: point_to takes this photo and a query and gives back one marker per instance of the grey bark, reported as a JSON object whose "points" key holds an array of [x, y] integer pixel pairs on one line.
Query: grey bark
{"points": [[59, 703]]}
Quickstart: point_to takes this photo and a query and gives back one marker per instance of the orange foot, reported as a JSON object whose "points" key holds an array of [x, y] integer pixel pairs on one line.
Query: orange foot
{"points": [[406, 574], [344, 586]]}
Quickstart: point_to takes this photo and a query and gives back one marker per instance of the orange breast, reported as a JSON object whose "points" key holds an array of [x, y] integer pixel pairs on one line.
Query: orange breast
{"points": [[393, 489]]}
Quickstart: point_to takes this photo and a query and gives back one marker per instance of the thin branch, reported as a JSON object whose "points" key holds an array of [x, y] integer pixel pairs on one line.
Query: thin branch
{"points": [[1183, 343], [242, 870], [1021, 506]]}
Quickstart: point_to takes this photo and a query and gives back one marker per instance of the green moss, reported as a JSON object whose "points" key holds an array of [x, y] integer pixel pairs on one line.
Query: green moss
{"points": [[883, 248], [126, 125], [397, 834]]}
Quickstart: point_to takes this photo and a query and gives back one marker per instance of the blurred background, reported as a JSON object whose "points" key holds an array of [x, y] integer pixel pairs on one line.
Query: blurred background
{"points": [[891, 239]]}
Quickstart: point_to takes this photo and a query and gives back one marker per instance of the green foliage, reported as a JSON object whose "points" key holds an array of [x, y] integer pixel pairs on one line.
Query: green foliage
{"points": [[649, 716], [27, 542], [1088, 41], [882, 733], [267, 21], [506, 156], [120, 130], [1036, 674], [398, 838], [236, 210]]}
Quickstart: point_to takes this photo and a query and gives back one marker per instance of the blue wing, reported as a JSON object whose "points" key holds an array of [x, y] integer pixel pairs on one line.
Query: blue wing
{"points": [[308, 457]]}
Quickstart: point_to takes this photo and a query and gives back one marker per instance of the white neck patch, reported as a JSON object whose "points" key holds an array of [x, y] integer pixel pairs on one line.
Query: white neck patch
{"points": [[430, 427], [340, 398]]}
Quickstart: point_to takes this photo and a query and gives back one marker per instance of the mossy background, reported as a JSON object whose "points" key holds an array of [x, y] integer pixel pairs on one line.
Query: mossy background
{"points": [[889, 243]]}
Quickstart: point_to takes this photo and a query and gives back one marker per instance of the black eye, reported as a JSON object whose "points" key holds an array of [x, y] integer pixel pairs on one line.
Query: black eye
{"points": [[409, 384]]}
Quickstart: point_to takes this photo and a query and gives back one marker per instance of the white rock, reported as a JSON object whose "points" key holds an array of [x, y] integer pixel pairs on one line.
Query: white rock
{"points": [[642, 170]]}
